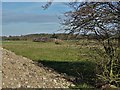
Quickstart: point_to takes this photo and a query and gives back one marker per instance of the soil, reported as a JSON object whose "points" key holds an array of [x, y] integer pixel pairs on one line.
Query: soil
{"points": [[21, 72]]}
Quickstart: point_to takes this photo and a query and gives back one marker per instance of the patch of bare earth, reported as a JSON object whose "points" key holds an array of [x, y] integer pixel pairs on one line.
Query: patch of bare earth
{"points": [[21, 72]]}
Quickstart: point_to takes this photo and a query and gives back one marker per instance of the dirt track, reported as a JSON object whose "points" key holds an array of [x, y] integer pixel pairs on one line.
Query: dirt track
{"points": [[20, 72]]}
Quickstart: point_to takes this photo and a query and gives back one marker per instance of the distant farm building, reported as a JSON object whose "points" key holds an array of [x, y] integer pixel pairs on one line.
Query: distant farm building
{"points": [[42, 39]]}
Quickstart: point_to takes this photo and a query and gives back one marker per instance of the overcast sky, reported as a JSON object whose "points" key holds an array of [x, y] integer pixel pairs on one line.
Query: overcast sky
{"points": [[20, 18]]}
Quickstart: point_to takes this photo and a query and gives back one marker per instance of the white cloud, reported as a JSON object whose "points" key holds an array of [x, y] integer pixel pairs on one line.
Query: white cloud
{"points": [[28, 18]]}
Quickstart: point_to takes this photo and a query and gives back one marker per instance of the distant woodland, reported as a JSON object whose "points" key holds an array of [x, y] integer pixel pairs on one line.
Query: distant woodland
{"points": [[62, 36]]}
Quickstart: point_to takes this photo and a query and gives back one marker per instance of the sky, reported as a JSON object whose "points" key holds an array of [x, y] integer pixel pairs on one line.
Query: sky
{"points": [[21, 18]]}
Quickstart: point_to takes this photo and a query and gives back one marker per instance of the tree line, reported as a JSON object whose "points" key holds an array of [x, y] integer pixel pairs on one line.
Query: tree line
{"points": [[62, 36]]}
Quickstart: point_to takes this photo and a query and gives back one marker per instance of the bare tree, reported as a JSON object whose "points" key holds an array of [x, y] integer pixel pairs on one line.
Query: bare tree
{"points": [[101, 18]]}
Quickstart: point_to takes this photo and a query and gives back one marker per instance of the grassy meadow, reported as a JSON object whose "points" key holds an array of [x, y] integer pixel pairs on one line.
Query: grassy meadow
{"points": [[71, 58], [67, 51]]}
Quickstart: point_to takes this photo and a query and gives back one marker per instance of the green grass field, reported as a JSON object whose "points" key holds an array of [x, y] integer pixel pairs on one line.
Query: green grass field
{"points": [[68, 58], [47, 51]]}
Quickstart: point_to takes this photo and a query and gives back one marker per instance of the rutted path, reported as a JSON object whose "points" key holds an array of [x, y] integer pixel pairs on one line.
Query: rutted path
{"points": [[20, 72]]}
